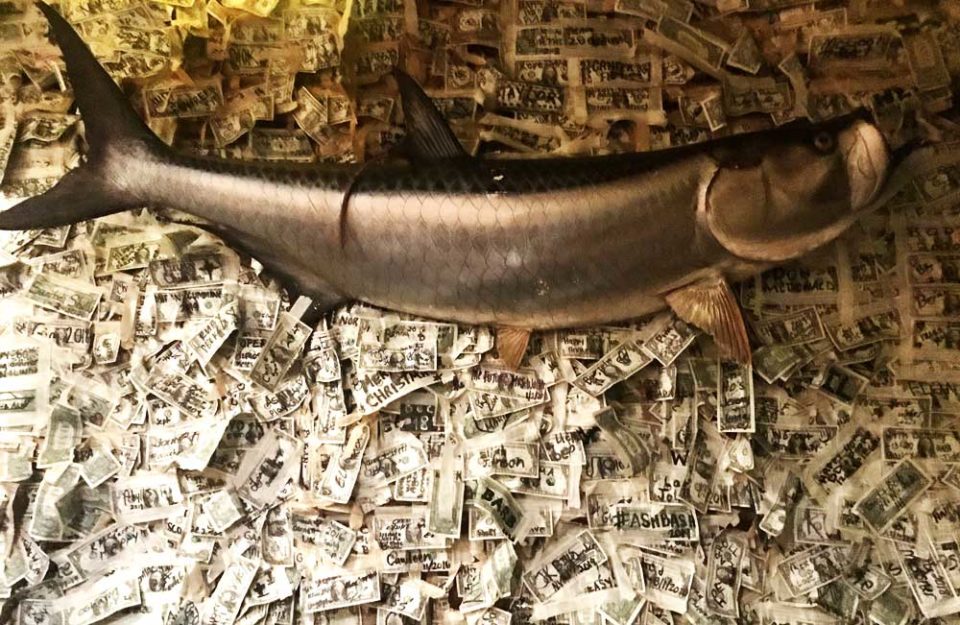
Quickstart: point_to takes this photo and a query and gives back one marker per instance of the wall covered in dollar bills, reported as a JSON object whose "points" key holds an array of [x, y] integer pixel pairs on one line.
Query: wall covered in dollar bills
{"points": [[183, 443]]}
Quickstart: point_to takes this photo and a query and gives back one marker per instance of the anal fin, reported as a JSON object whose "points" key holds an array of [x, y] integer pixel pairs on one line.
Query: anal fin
{"points": [[512, 345], [710, 305]]}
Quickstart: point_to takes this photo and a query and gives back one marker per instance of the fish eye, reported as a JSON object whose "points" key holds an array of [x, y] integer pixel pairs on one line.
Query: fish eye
{"points": [[824, 142]]}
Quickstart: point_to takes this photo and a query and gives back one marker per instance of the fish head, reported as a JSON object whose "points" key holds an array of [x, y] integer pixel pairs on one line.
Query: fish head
{"points": [[800, 189], [837, 167]]}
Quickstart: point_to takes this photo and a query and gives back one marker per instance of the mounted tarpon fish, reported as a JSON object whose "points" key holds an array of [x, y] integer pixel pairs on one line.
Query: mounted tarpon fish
{"points": [[518, 244]]}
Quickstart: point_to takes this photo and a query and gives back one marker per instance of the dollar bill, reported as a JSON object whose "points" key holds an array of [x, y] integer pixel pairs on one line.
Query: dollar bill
{"points": [[630, 446], [63, 435], [193, 268], [890, 497], [842, 384], [811, 569], [280, 144], [213, 334], [745, 95], [928, 579], [653, 9], [613, 72], [321, 360], [394, 345], [69, 263], [182, 101], [555, 568], [24, 365], [667, 580], [492, 498], [523, 385], [405, 528], [292, 394], [724, 573], [189, 303], [618, 103], [862, 48], [672, 522], [132, 252], [146, 497], [802, 326], [899, 443], [926, 61], [99, 467], [102, 598], [224, 602], [555, 481], [496, 573], [323, 594], [697, 489], [282, 348], [445, 511], [482, 526], [667, 343], [426, 560], [933, 268], [394, 462], [409, 598], [813, 526], [343, 470], [46, 522], [735, 405], [870, 582], [695, 46], [745, 54], [64, 333], [332, 541], [189, 446], [934, 339], [801, 285], [615, 366], [791, 442], [68, 296], [104, 549], [510, 459], [840, 460], [375, 389], [179, 391], [106, 342], [266, 470], [868, 327]]}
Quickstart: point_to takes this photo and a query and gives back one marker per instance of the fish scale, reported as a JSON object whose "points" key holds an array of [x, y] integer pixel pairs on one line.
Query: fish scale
{"points": [[524, 244]]}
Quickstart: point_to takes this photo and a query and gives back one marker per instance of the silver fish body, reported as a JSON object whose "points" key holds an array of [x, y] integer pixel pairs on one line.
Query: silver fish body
{"points": [[543, 243], [531, 243]]}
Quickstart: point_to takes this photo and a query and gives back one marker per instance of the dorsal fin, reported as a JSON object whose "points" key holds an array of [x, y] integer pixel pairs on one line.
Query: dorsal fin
{"points": [[428, 135]]}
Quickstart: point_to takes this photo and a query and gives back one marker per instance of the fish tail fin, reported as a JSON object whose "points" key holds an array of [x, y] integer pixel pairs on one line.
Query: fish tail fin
{"points": [[118, 143]]}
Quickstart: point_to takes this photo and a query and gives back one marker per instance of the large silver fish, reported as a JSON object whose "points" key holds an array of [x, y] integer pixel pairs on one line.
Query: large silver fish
{"points": [[520, 244]]}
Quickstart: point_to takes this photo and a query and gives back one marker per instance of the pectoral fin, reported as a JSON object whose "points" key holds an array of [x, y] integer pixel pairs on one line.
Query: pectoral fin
{"points": [[710, 305], [512, 345]]}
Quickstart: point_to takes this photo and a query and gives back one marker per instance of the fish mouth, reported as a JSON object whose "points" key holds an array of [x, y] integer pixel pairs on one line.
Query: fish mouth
{"points": [[867, 160]]}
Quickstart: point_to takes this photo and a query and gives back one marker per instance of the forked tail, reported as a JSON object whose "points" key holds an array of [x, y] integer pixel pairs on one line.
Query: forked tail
{"points": [[119, 146]]}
